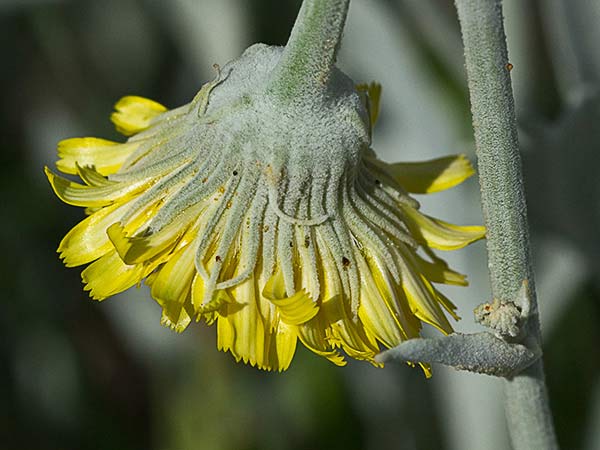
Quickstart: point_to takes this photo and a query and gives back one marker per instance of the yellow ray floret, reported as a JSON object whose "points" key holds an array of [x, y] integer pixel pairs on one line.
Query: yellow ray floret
{"points": [[147, 245], [88, 240], [134, 114], [252, 333], [109, 275], [432, 176], [383, 310], [171, 288], [439, 272], [295, 309], [77, 194], [438, 234], [106, 156]]}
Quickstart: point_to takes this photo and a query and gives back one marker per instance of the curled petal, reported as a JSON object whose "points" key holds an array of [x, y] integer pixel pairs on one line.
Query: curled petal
{"points": [[313, 336], [77, 194], [295, 309], [423, 301]]}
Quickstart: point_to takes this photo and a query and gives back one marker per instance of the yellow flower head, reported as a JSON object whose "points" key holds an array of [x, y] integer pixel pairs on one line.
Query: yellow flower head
{"points": [[276, 221]]}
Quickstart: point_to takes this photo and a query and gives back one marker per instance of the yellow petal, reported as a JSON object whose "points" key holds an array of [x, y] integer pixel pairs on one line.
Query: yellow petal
{"points": [[313, 335], [106, 156], [330, 329], [439, 272], [225, 333], [342, 329], [423, 300], [176, 316], [143, 247], [209, 309], [447, 304], [384, 315], [268, 350], [294, 310], [439, 234], [134, 114], [297, 309], [110, 275], [282, 347], [77, 194], [432, 176], [88, 240], [350, 334], [246, 324], [90, 176], [242, 330], [174, 280], [256, 331], [426, 369]]}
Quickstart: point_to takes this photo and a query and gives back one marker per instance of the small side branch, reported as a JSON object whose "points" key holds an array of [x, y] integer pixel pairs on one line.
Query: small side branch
{"points": [[496, 354], [480, 353]]}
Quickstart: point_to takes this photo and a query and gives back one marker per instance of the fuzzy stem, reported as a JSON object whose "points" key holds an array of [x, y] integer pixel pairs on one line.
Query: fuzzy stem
{"points": [[504, 209], [310, 54]]}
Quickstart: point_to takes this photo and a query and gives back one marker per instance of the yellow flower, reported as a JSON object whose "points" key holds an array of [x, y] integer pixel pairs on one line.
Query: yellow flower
{"points": [[234, 211]]}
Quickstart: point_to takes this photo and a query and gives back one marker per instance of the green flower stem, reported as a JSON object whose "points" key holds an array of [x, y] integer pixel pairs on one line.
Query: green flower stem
{"points": [[504, 209], [310, 54]]}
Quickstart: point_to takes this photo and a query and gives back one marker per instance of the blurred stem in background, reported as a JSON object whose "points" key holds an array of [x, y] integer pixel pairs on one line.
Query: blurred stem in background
{"points": [[504, 209]]}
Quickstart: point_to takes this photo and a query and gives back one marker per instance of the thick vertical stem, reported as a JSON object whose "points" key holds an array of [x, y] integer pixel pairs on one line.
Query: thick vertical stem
{"points": [[309, 56], [504, 209]]}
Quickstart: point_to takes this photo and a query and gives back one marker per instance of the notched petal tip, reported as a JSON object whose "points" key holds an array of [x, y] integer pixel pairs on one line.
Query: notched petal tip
{"points": [[95, 195], [210, 309], [69, 191], [108, 276], [175, 317]]}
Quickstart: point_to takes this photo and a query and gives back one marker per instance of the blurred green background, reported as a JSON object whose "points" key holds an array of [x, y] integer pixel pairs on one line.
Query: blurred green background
{"points": [[75, 374]]}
